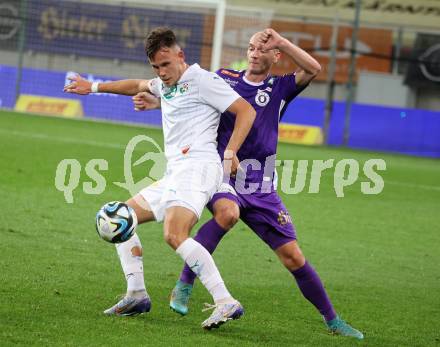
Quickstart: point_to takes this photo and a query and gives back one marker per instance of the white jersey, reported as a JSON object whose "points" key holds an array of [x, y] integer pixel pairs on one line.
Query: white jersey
{"points": [[191, 113]]}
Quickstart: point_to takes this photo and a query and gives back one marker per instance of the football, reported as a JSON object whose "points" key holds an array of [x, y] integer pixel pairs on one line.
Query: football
{"points": [[116, 222]]}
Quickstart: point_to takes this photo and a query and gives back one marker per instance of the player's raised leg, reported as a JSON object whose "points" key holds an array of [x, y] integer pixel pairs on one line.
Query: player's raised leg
{"points": [[177, 225], [312, 288], [226, 214], [136, 300]]}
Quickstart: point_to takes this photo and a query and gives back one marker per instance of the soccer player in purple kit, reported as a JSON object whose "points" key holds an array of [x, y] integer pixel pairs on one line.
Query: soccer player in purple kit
{"points": [[263, 210]]}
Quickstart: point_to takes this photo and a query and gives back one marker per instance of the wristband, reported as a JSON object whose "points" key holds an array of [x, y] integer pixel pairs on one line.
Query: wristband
{"points": [[94, 87], [228, 154]]}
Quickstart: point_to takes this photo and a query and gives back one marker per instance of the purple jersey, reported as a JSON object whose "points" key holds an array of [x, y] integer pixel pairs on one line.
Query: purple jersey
{"points": [[270, 99]]}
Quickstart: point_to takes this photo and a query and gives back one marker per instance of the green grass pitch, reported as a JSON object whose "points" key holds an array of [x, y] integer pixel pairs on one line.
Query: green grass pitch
{"points": [[378, 255]]}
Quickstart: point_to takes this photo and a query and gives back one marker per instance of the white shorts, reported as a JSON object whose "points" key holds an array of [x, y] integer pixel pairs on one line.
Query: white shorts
{"points": [[190, 184]]}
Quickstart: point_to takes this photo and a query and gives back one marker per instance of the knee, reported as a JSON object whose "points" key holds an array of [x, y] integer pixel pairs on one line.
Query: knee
{"points": [[227, 216], [293, 262], [292, 258], [172, 239], [173, 234]]}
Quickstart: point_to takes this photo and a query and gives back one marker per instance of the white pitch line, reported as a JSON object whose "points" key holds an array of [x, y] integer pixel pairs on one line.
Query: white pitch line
{"points": [[120, 146], [396, 183], [412, 185], [63, 139]]}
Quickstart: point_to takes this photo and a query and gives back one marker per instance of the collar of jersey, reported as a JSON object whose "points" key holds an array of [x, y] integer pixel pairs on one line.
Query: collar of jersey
{"points": [[255, 84], [192, 68]]}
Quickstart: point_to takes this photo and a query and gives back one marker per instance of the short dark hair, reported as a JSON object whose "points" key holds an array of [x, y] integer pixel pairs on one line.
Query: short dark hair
{"points": [[158, 38]]}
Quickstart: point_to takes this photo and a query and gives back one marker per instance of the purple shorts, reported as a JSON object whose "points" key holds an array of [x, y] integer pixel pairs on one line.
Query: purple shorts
{"points": [[265, 214]]}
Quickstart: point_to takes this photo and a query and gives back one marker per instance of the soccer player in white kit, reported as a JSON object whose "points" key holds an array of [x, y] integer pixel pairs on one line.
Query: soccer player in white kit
{"points": [[192, 100]]}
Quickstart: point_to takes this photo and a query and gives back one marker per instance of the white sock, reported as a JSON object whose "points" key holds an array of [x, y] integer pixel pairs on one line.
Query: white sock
{"points": [[202, 264], [132, 266]]}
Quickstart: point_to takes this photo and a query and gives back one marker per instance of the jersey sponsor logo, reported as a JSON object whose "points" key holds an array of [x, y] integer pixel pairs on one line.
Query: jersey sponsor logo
{"points": [[229, 73], [169, 92], [232, 83], [262, 98]]}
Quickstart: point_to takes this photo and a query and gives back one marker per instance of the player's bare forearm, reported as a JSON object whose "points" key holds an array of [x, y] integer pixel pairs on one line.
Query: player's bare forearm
{"points": [[301, 58], [124, 87], [79, 85], [244, 119], [309, 66]]}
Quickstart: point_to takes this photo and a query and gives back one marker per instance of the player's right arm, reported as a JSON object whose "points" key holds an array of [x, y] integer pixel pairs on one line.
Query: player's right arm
{"points": [[309, 67], [80, 85]]}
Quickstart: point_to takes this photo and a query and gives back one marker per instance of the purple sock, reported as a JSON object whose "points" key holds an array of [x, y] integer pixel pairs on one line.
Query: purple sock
{"points": [[209, 236], [311, 287]]}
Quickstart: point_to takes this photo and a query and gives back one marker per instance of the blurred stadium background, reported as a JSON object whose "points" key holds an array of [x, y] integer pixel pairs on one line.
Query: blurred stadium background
{"points": [[393, 95]]}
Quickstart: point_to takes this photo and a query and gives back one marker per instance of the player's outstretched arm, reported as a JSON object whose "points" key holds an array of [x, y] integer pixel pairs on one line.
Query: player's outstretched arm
{"points": [[80, 85], [309, 68], [244, 119]]}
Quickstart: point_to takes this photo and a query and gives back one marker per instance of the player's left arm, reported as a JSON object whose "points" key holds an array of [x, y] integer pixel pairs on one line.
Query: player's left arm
{"points": [[145, 101], [244, 119], [309, 68], [215, 92]]}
